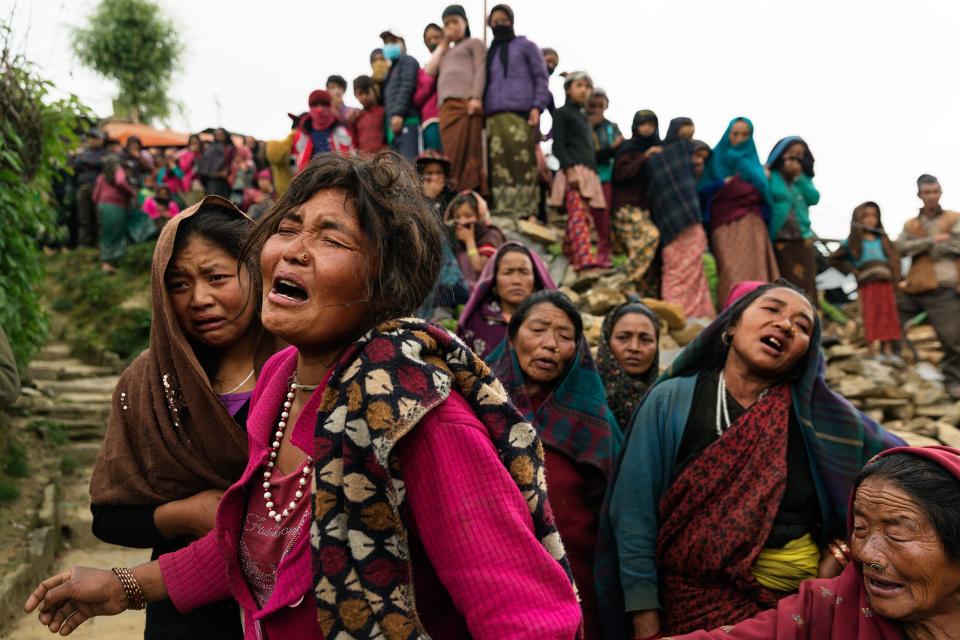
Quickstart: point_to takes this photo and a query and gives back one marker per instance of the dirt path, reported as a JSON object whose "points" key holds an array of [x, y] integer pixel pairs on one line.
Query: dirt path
{"points": [[126, 626]]}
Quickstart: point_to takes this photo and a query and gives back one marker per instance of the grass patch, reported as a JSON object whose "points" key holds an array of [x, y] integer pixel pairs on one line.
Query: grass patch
{"points": [[8, 491], [102, 312], [50, 431], [14, 461], [68, 465]]}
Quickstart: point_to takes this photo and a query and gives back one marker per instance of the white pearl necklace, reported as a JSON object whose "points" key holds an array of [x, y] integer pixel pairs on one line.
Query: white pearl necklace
{"points": [[271, 463], [723, 411]]}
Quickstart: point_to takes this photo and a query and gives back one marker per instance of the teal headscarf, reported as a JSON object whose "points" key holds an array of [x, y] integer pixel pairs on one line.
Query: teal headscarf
{"points": [[740, 160]]}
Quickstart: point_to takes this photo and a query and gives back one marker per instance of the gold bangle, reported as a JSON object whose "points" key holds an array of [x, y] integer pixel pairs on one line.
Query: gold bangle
{"points": [[131, 588], [472, 252]]}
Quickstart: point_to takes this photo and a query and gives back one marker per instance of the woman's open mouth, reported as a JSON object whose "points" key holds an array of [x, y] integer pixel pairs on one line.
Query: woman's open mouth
{"points": [[773, 344], [288, 289], [881, 588]]}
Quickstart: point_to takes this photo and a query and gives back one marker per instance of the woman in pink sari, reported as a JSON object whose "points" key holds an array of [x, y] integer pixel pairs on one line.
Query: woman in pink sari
{"points": [[903, 577]]}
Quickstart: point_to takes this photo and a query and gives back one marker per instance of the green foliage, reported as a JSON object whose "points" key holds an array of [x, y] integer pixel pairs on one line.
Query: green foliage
{"points": [[832, 312], [14, 460], [102, 311], [68, 465], [36, 136], [50, 430], [9, 491], [133, 43], [710, 270]]}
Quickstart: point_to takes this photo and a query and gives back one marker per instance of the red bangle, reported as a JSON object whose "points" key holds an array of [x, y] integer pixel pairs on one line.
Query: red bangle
{"points": [[843, 548], [842, 559]]}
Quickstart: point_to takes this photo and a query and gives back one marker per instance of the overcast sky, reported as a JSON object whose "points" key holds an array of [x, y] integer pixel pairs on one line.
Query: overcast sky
{"points": [[872, 87]]}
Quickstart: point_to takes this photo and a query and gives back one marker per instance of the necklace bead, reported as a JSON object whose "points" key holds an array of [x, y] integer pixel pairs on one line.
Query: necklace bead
{"points": [[274, 448]]}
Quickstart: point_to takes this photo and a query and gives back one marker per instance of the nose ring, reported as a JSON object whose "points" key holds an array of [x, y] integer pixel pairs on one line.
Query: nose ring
{"points": [[876, 566], [304, 257]]}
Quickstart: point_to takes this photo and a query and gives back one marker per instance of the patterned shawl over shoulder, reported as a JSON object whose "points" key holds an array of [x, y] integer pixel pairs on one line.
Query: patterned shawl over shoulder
{"points": [[382, 386]]}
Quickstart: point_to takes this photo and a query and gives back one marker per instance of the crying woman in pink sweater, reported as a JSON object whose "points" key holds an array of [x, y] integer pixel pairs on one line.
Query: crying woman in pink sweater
{"points": [[391, 489]]}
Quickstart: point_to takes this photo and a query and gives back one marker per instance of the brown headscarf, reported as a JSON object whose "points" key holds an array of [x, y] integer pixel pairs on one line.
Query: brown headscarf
{"points": [[169, 437]]}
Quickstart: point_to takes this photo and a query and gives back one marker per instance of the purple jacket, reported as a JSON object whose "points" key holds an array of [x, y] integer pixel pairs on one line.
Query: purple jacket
{"points": [[525, 84]]}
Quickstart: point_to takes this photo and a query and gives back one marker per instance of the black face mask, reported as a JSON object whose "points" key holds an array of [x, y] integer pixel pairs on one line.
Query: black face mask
{"points": [[502, 31], [432, 47], [550, 70], [162, 201]]}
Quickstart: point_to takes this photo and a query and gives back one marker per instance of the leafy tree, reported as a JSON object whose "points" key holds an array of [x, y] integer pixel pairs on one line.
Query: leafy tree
{"points": [[36, 136], [133, 43]]}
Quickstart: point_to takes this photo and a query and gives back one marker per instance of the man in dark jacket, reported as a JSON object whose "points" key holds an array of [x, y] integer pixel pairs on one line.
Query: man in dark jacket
{"points": [[87, 165], [403, 120]]}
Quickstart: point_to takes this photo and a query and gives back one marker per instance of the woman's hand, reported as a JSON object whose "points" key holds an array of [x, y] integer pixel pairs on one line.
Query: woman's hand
{"points": [[396, 124], [464, 234], [829, 566], [474, 107], [533, 119], [652, 151], [68, 599], [195, 516], [646, 624]]}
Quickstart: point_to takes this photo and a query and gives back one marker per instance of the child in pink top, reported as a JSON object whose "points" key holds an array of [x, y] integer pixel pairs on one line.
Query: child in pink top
{"points": [[161, 207]]}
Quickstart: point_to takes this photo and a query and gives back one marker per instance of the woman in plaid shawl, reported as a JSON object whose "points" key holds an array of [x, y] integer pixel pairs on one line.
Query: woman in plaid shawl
{"points": [[547, 369]]}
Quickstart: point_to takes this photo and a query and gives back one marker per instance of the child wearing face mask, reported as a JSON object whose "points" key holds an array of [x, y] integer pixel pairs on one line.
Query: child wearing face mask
{"points": [[576, 186], [379, 67]]}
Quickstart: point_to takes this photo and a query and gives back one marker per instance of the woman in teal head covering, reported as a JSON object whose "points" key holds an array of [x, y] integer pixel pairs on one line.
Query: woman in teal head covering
{"points": [[792, 194], [736, 204], [546, 368]]}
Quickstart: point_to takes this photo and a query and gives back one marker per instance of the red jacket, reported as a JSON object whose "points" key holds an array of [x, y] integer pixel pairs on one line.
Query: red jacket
{"points": [[368, 130], [340, 141]]}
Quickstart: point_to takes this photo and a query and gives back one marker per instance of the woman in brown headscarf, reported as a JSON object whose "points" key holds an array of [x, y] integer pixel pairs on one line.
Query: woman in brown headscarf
{"points": [[176, 437]]}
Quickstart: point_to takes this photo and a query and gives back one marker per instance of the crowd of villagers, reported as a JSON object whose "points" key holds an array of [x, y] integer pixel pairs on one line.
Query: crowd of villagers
{"points": [[309, 456]]}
